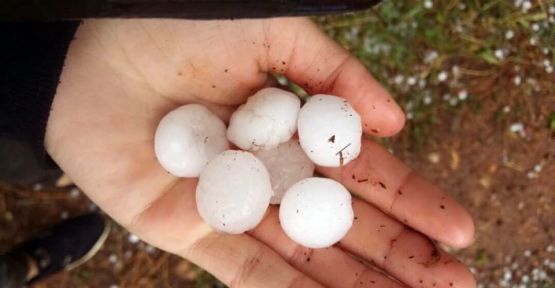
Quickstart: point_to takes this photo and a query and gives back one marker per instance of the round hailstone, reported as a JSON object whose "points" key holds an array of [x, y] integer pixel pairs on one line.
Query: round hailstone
{"points": [[329, 130], [267, 119], [316, 212], [187, 138], [287, 164], [233, 192]]}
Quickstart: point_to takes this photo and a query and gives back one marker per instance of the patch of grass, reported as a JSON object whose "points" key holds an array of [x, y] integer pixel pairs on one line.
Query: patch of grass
{"points": [[410, 48]]}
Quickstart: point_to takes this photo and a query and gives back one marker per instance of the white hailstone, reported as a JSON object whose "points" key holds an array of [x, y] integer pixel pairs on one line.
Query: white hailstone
{"points": [[113, 258], [456, 70], [92, 207], [551, 9], [287, 165], [187, 138], [267, 119], [517, 80], [549, 69], [430, 56], [525, 279], [316, 212], [428, 4], [411, 80], [233, 192], [74, 192], [442, 76], [133, 239], [509, 34], [422, 83], [463, 94], [536, 27], [499, 54], [507, 275], [399, 79], [330, 130], [150, 249], [526, 5], [427, 99], [533, 41], [518, 128]]}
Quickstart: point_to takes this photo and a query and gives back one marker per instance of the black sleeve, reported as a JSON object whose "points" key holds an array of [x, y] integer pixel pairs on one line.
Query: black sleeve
{"points": [[31, 60]]}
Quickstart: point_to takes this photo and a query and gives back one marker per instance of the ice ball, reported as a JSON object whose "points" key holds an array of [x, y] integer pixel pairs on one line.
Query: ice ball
{"points": [[287, 164], [233, 192], [316, 212], [187, 138], [330, 130], [267, 119]]}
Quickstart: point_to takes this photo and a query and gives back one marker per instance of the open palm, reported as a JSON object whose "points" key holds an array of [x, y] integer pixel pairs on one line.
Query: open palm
{"points": [[122, 76]]}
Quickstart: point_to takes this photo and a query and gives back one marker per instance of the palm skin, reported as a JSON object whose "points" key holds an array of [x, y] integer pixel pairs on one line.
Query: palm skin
{"points": [[122, 76]]}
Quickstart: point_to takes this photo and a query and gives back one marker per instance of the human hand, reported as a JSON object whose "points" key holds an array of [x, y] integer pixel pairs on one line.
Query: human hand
{"points": [[122, 76]]}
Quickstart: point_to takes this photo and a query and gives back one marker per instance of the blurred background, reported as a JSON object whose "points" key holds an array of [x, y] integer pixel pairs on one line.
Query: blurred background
{"points": [[477, 83]]}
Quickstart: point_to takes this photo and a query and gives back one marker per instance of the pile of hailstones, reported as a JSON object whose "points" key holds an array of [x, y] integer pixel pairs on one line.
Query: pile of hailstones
{"points": [[236, 187]]}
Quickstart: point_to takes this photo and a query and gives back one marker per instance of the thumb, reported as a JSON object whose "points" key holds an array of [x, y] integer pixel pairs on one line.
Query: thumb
{"points": [[303, 53]]}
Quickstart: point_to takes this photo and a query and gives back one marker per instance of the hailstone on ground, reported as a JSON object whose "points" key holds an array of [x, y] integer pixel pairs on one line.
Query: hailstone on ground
{"points": [[267, 119], [287, 164], [316, 212], [330, 130], [233, 192], [187, 138]]}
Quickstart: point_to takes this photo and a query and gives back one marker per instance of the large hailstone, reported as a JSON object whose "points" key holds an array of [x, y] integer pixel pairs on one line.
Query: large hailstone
{"points": [[233, 192], [316, 212], [287, 164], [330, 130], [187, 138], [267, 119]]}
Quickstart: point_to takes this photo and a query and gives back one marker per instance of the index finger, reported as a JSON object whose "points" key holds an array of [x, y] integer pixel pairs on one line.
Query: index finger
{"points": [[318, 64], [383, 180]]}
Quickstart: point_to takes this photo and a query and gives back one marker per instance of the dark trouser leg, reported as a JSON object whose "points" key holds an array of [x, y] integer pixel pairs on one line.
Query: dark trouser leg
{"points": [[13, 270]]}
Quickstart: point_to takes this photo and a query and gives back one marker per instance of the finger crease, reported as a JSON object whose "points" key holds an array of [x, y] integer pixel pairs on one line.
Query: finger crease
{"points": [[392, 243], [400, 189], [297, 281], [137, 218], [300, 255], [330, 81], [247, 267]]}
